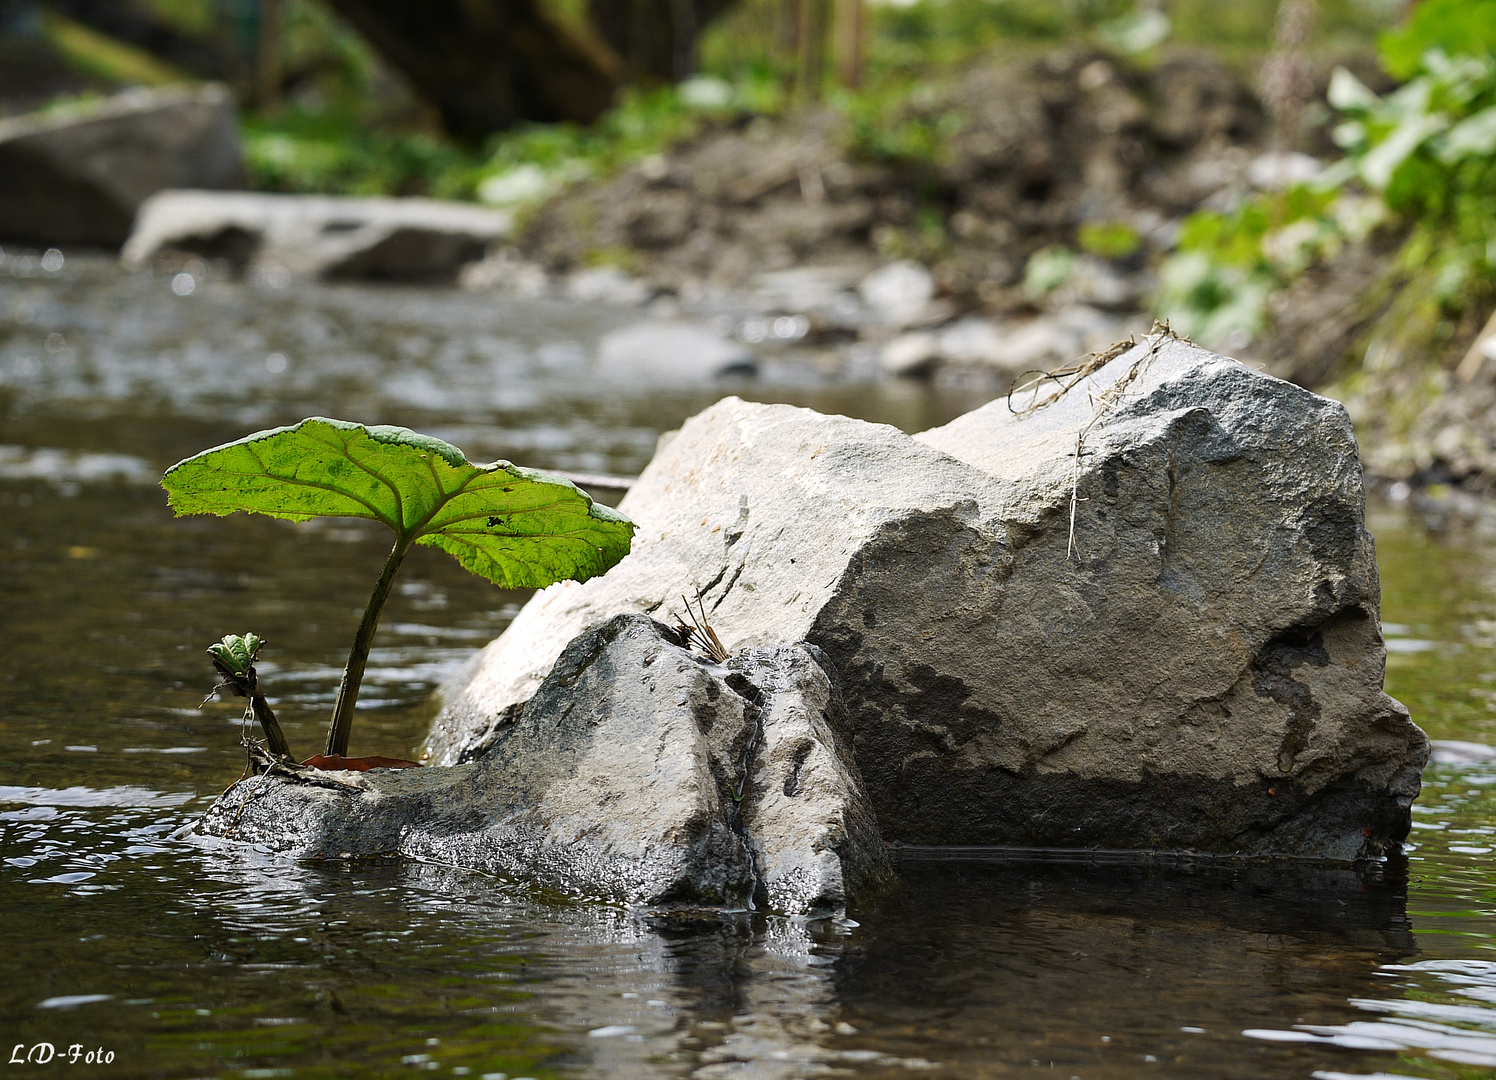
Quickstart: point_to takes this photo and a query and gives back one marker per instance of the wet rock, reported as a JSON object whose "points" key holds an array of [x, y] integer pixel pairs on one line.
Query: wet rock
{"points": [[813, 835], [317, 236], [637, 772], [77, 176], [1198, 666], [665, 350]]}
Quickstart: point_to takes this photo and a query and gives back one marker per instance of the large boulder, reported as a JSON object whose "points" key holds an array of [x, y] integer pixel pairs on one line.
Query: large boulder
{"points": [[78, 175], [317, 236], [1143, 615], [638, 772]]}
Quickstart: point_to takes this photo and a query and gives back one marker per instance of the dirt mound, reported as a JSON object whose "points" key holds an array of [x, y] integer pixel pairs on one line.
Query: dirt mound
{"points": [[1019, 155]]}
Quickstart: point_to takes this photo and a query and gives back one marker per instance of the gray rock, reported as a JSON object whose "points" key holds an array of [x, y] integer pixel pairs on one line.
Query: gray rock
{"points": [[1200, 669], [898, 293], [606, 285], [77, 176], [913, 353], [503, 270], [1095, 283], [669, 351], [806, 288], [637, 772], [814, 837], [1039, 343], [317, 236]]}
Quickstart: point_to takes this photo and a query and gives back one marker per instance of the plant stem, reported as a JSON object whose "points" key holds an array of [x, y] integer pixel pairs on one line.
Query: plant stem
{"points": [[358, 656], [274, 736]]}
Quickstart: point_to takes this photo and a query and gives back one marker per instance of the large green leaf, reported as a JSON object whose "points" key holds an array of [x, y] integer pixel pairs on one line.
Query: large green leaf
{"points": [[516, 527]]}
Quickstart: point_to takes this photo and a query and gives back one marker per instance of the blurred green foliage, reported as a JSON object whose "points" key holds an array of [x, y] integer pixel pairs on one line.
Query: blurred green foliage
{"points": [[1421, 159], [1454, 27], [1047, 269], [1109, 239], [300, 149]]}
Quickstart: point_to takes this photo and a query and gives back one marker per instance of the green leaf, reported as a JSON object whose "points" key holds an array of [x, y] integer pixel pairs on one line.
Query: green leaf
{"points": [[517, 527], [236, 653]]}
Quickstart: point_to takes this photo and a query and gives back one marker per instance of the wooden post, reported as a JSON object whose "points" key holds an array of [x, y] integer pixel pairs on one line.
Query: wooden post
{"points": [[268, 67], [851, 41]]}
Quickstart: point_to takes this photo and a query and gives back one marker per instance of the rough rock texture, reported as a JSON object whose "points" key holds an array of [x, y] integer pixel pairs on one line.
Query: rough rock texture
{"points": [[323, 236], [814, 838], [637, 772], [78, 176], [1203, 671]]}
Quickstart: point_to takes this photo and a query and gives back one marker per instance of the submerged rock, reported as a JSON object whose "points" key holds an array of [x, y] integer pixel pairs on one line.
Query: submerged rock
{"points": [[1195, 664], [317, 236], [637, 772], [78, 175]]}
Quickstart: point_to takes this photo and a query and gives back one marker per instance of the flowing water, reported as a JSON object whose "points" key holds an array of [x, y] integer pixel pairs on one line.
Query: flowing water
{"points": [[165, 959]]}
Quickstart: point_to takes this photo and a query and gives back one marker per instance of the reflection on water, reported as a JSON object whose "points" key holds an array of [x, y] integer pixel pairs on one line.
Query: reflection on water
{"points": [[191, 960]]}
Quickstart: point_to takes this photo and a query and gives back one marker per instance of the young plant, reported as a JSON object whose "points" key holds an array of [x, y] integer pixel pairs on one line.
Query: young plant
{"points": [[234, 660], [517, 527]]}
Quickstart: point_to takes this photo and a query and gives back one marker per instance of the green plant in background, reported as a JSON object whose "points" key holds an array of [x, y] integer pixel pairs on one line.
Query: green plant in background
{"points": [[517, 527], [1047, 269], [1429, 150], [333, 152], [1422, 158], [1454, 27], [1108, 239], [525, 167], [1216, 286]]}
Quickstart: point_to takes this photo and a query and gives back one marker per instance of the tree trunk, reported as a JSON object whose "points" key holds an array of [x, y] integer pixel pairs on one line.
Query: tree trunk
{"points": [[488, 64], [656, 39]]}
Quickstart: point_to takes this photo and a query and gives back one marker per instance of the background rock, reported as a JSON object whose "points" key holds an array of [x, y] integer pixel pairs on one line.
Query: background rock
{"points": [[669, 351], [77, 176], [637, 772], [1202, 671], [898, 293], [322, 236]]}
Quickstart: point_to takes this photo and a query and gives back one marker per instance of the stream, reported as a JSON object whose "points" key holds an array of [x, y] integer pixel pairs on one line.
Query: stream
{"points": [[130, 953]]}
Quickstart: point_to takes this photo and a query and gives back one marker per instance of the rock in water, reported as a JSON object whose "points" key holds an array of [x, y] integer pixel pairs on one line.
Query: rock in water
{"points": [[77, 176], [662, 350], [1199, 668], [317, 236], [636, 772]]}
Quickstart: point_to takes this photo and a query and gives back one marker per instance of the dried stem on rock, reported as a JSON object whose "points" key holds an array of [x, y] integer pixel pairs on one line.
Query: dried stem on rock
{"points": [[1071, 375]]}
